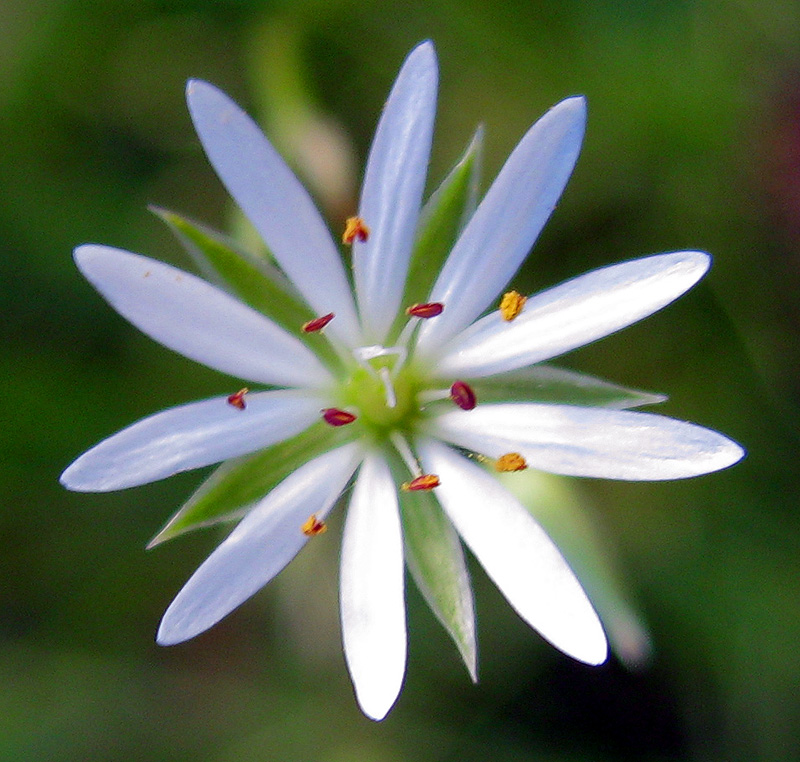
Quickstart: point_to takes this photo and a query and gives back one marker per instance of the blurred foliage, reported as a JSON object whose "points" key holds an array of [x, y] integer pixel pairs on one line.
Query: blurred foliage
{"points": [[693, 142]]}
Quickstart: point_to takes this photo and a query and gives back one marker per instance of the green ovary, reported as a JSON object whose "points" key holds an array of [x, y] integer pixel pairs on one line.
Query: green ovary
{"points": [[367, 393]]}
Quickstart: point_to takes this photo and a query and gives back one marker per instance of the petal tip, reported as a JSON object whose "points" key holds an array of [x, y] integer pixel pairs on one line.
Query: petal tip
{"points": [[590, 648], [577, 105], [734, 452], [65, 480], [81, 254], [171, 633], [377, 704], [195, 86], [702, 259], [423, 58], [165, 639], [426, 47]]}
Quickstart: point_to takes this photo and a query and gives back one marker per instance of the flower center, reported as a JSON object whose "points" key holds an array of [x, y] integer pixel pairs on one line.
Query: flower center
{"points": [[386, 400]]}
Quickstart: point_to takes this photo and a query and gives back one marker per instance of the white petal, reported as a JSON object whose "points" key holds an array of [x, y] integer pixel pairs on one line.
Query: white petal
{"points": [[392, 192], [588, 441], [261, 545], [372, 592], [575, 313], [276, 203], [190, 436], [203, 323], [500, 234], [517, 554]]}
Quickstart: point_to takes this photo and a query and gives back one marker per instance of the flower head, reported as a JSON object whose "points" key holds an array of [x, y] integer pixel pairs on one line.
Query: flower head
{"points": [[403, 383]]}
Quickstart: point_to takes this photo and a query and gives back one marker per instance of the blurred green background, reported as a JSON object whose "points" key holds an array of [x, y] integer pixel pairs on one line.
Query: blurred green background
{"points": [[693, 142]]}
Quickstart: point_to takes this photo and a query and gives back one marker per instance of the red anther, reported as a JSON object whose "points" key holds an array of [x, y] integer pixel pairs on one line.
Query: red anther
{"points": [[237, 400], [428, 310], [317, 324], [335, 417], [354, 228], [314, 526], [421, 483], [463, 395]]}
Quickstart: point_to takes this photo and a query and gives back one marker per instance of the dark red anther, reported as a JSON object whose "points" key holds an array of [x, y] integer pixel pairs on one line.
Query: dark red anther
{"points": [[463, 395], [317, 324], [427, 310], [335, 417], [237, 399]]}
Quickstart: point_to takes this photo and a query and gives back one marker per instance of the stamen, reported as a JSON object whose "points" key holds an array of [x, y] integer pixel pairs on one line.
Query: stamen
{"points": [[317, 324], [427, 310], [364, 354], [511, 305], [463, 395], [237, 399], [335, 417], [511, 461], [386, 377], [432, 395], [421, 483], [354, 228], [314, 526]]}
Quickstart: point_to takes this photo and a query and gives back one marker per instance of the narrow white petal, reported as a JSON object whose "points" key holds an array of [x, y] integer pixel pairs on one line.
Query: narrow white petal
{"points": [[276, 203], [203, 323], [500, 234], [589, 441], [372, 590], [517, 554], [572, 314], [261, 545], [190, 436], [392, 192]]}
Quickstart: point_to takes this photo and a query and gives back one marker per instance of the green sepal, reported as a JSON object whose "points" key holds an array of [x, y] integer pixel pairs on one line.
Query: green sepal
{"points": [[556, 505], [436, 561], [441, 221], [237, 484], [251, 278], [546, 383]]}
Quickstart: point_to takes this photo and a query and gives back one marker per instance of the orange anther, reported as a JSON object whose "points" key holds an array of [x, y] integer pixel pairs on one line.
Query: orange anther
{"points": [[424, 482], [354, 228], [511, 305], [314, 526], [511, 461]]}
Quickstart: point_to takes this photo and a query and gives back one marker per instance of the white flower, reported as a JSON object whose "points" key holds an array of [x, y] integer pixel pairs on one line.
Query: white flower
{"points": [[393, 401]]}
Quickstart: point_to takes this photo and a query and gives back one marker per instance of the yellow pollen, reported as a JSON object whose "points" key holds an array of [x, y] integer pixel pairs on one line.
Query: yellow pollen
{"points": [[511, 305], [354, 228], [314, 526], [511, 461], [421, 483]]}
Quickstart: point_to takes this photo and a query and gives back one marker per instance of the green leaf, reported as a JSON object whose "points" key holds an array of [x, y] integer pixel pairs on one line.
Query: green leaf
{"points": [[436, 561], [441, 221], [237, 484], [253, 279], [546, 383], [556, 505]]}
